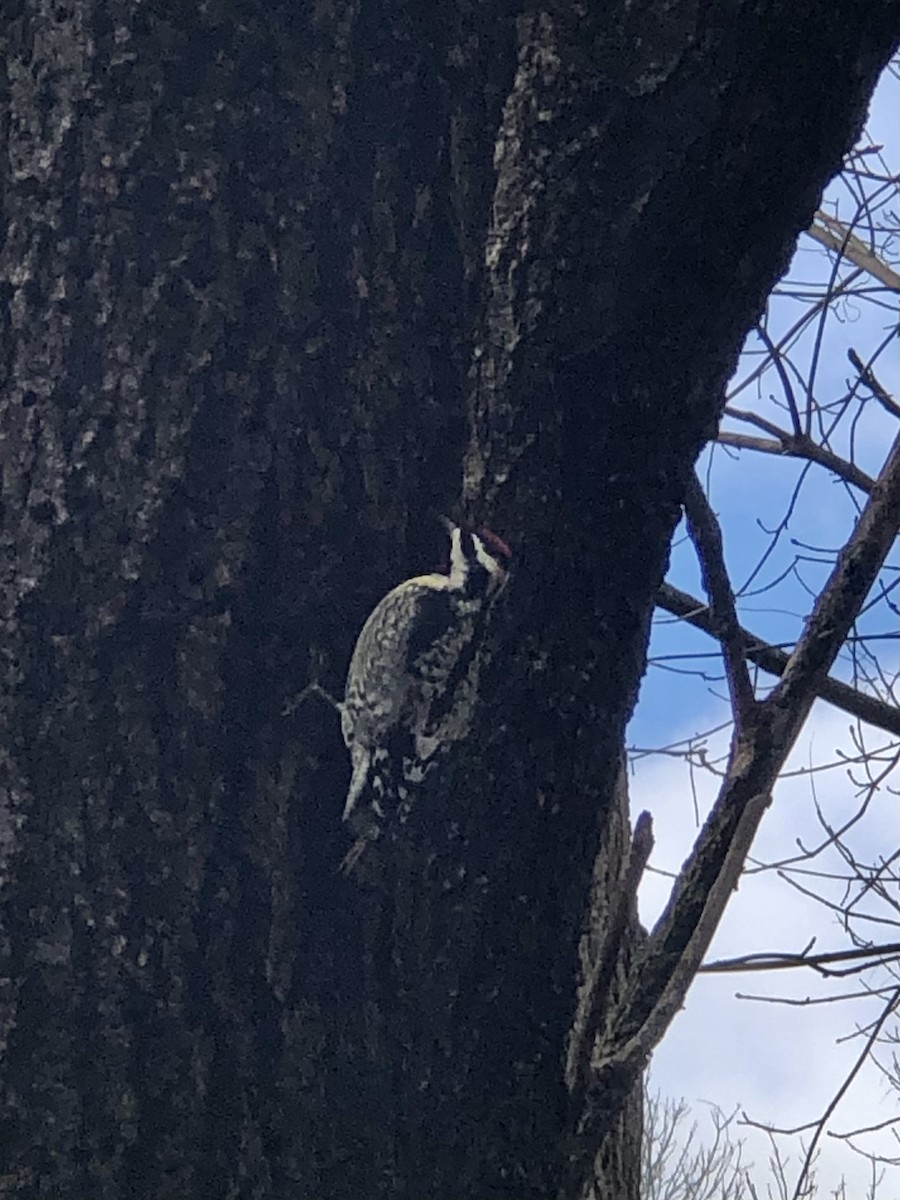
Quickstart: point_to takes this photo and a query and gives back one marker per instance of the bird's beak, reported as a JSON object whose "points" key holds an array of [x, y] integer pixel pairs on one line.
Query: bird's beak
{"points": [[447, 523]]}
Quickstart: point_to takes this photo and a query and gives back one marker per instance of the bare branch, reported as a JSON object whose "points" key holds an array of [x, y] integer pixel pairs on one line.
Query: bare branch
{"points": [[751, 418], [814, 1001], [790, 445], [789, 396], [783, 962], [868, 377], [839, 289], [706, 535], [838, 606], [678, 1166], [842, 1090], [834, 235], [659, 980], [595, 989], [769, 658]]}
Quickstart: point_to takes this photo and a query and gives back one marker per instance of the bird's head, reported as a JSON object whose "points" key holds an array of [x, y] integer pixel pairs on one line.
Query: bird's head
{"points": [[479, 559]]}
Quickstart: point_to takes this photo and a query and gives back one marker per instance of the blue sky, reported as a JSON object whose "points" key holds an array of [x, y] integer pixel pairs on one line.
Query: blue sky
{"points": [[781, 1063]]}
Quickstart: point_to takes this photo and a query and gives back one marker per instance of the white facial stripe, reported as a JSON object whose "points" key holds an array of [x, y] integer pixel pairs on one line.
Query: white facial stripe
{"points": [[457, 559], [487, 559]]}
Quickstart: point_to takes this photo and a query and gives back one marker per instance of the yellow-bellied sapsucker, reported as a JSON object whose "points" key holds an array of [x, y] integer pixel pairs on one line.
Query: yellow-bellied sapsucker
{"points": [[412, 682]]}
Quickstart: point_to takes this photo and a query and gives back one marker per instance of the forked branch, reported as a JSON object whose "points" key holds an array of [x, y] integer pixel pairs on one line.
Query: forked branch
{"points": [[658, 982], [792, 445], [773, 660]]}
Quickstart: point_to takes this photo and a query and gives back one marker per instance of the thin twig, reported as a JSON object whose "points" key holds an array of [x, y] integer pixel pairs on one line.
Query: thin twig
{"points": [[878, 390], [785, 962], [842, 1091], [789, 396], [834, 293]]}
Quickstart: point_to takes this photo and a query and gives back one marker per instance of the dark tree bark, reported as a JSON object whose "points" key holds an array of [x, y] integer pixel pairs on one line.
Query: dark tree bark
{"points": [[249, 255]]}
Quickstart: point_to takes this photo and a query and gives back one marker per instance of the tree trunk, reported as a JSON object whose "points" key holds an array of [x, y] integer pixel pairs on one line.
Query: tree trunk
{"points": [[250, 254]]}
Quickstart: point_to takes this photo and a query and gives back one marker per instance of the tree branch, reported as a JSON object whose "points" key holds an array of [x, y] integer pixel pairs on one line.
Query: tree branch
{"points": [[878, 955], [878, 390], [659, 980], [842, 288], [839, 238], [838, 606], [775, 355], [790, 445], [888, 1009], [593, 1000], [596, 986], [870, 709], [704, 531]]}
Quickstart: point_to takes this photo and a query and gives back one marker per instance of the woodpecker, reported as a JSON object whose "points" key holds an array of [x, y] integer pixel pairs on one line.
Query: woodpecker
{"points": [[413, 678]]}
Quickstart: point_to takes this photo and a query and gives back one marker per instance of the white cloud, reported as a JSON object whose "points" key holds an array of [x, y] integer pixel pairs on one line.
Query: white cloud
{"points": [[781, 1063]]}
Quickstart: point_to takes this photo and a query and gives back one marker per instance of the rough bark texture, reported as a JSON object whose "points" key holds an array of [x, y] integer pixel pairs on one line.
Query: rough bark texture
{"points": [[246, 255]]}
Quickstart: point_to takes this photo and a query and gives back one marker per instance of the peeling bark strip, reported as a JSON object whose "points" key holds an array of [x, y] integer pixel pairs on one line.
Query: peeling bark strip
{"points": [[248, 254]]}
